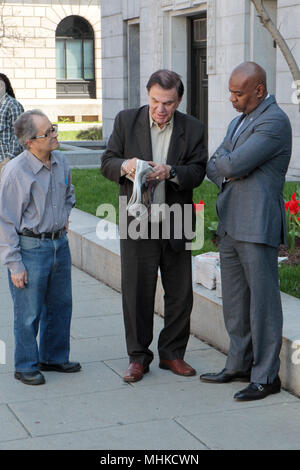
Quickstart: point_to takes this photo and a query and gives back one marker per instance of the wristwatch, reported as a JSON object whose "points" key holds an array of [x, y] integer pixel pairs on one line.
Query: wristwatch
{"points": [[172, 172]]}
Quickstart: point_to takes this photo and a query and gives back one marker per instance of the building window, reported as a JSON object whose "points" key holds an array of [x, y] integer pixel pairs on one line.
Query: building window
{"points": [[75, 70], [133, 63]]}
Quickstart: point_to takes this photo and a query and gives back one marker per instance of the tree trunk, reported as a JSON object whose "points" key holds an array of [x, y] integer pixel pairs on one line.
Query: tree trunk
{"points": [[280, 41]]}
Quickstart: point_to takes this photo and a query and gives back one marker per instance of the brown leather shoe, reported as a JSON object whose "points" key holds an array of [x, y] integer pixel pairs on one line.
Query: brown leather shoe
{"points": [[135, 372], [177, 366]]}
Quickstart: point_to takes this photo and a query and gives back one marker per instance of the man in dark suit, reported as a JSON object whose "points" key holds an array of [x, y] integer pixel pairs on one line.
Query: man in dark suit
{"points": [[249, 167], [173, 144]]}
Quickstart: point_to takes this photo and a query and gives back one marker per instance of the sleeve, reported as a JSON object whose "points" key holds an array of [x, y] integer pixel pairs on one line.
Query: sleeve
{"points": [[14, 148], [113, 156], [212, 172], [260, 147], [70, 193], [192, 172], [11, 209]]}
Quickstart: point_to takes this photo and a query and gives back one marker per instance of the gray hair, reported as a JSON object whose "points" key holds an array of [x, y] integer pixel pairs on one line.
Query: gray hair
{"points": [[24, 126]]}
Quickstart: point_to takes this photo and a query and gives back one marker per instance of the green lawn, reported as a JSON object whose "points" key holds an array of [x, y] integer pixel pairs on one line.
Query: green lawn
{"points": [[92, 189], [67, 135], [88, 134]]}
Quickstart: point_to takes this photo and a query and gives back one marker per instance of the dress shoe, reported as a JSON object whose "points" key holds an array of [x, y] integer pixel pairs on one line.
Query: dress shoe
{"points": [[67, 367], [30, 378], [256, 391], [135, 372], [177, 366], [226, 376]]}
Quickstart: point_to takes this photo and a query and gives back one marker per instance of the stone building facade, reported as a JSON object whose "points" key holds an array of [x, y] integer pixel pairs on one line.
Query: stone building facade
{"points": [[203, 40], [51, 52]]}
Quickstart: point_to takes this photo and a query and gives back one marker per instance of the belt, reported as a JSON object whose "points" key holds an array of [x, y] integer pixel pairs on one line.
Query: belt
{"points": [[52, 235]]}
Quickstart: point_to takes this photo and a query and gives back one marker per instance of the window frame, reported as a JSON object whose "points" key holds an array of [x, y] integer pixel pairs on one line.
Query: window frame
{"points": [[76, 87]]}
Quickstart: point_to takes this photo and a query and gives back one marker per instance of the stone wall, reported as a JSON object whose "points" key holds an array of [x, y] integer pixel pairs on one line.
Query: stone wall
{"points": [[158, 33], [229, 33], [234, 35], [27, 53], [288, 19]]}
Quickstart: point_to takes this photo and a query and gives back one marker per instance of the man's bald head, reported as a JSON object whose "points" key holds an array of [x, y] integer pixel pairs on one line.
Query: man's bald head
{"points": [[251, 71], [248, 86]]}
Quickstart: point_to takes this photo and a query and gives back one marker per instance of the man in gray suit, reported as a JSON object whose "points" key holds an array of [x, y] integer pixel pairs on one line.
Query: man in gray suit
{"points": [[249, 167]]}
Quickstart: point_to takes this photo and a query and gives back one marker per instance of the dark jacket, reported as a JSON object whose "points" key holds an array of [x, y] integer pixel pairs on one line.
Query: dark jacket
{"points": [[131, 137]]}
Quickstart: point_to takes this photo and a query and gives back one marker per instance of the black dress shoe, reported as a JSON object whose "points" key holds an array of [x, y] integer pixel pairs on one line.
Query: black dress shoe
{"points": [[67, 367], [256, 391], [30, 378], [226, 376]]}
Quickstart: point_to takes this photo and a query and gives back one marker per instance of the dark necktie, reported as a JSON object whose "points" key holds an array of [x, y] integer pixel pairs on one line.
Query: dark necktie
{"points": [[239, 125]]}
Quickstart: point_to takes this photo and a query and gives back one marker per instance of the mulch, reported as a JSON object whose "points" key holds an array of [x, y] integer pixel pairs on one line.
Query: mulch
{"points": [[293, 258]]}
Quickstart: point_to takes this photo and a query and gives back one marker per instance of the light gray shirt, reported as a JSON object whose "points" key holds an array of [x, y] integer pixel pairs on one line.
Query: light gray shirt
{"points": [[32, 197]]}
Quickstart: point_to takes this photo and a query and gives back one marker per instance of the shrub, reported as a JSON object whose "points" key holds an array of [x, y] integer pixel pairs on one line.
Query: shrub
{"points": [[94, 133]]}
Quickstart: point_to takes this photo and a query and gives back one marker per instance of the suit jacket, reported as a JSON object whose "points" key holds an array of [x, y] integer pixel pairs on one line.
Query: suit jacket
{"points": [[131, 137], [251, 207]]}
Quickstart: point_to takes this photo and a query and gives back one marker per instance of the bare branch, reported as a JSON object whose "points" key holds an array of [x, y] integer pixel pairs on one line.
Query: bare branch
{"points": [[7, 32]]}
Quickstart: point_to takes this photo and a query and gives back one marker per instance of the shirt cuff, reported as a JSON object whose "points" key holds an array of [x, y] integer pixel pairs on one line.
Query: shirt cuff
{"points": [[16, 267], [174, 180]]}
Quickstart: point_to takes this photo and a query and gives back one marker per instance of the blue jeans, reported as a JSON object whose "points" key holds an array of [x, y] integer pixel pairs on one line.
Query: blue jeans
{"points": [[45, 302]]}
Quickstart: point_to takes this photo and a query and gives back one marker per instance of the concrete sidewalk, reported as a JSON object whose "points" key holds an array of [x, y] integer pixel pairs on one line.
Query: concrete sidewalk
{"points": [[95, 409]]}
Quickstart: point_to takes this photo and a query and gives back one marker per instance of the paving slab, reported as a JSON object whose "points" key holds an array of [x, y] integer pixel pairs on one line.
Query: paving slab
{"points": [[275, 427], [94, 377], [137, 436], [129, 405], [95, 409], [96, 307], [10, 427]]}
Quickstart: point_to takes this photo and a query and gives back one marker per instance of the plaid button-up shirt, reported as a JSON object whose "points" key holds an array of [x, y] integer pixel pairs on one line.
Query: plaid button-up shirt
{"points": [[10, 110]]}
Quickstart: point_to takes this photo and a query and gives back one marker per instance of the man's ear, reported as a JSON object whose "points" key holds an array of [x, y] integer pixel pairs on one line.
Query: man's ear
{"points": [[260, 90]]}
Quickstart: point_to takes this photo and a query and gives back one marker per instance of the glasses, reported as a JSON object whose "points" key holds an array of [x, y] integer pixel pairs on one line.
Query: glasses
{"points": [[53, 130]]}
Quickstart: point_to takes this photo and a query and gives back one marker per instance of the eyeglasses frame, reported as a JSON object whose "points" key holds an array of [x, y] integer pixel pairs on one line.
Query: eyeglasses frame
{"points": [[52, 130]]}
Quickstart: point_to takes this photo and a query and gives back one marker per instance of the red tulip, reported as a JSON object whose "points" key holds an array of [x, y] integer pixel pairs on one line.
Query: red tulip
{"points": [[293, 205], [199, 207]]}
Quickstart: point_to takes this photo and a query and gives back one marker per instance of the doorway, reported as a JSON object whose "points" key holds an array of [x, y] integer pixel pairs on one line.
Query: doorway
{"points": [[198, 72]]}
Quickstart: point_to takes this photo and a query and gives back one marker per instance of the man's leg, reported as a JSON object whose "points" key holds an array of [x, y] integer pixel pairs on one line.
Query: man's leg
{"points": [[28, 304], [260, 264], [236, 306], [56, 317], [176, 275], [139, 265]]}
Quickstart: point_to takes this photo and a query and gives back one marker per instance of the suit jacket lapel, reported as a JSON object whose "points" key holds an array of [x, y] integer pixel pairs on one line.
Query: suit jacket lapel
{"points": [[143, 135], [252, 116], [177, 140]]}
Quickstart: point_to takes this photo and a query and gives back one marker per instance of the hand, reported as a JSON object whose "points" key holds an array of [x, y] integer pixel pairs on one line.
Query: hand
{"points": [[130, 167], [20, 279], [161, 172]]}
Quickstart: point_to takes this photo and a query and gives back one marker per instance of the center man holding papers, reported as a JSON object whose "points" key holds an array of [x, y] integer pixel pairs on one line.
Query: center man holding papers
{"points": [[173, 145]]}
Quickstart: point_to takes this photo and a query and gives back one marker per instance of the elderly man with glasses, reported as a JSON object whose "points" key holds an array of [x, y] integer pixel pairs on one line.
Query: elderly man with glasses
{"points": [[36, 197]]}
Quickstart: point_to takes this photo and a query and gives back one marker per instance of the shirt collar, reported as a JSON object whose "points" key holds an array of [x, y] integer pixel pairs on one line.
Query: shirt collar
{"points": [[37, 164], [154, 124]]}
